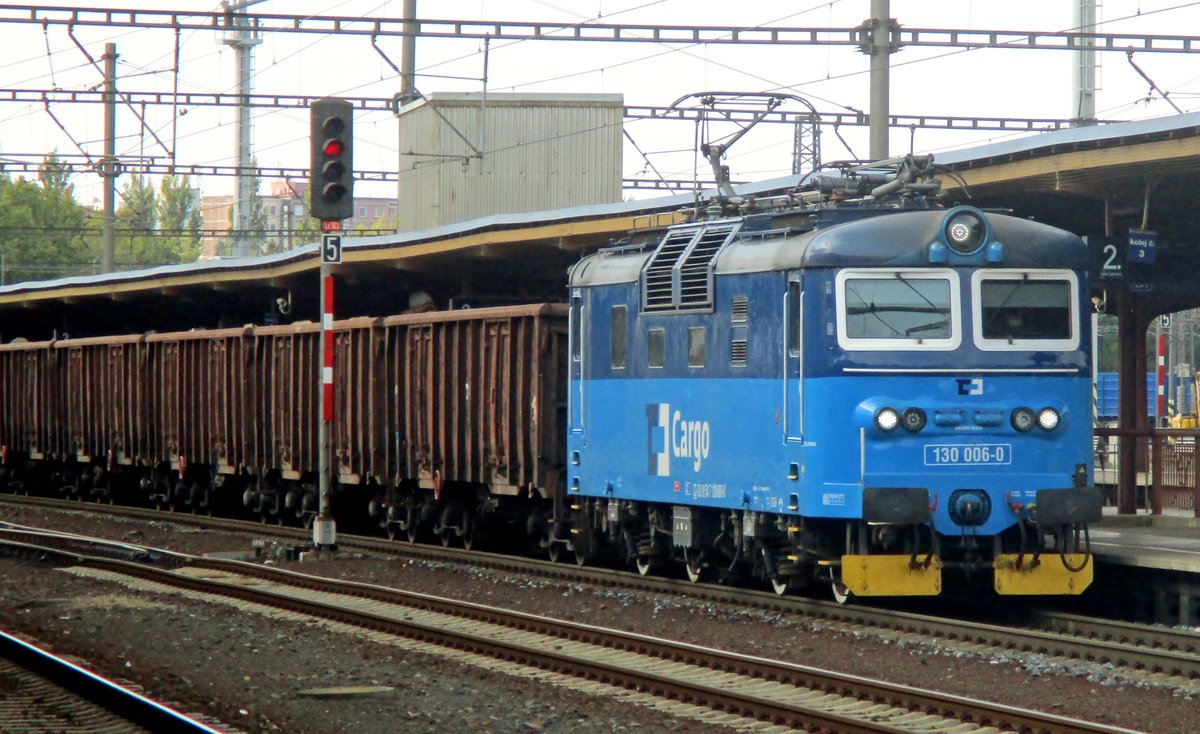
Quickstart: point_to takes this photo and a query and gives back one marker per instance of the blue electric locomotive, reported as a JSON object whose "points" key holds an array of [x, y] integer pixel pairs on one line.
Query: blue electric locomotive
{"points": [[873, 394]]}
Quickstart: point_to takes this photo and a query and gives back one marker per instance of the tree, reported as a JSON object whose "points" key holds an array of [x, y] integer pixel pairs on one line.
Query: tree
{"points": [[138, 243], [180, 217], [41, 226]]}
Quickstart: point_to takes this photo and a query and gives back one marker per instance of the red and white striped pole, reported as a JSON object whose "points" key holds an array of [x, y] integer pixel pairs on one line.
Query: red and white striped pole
{"points": [[1160, 378], [327, 346], [324, 529]]}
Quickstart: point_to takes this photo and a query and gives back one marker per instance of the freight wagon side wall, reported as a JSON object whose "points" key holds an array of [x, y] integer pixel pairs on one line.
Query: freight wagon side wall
{"points": [[359, 432], [475, 395], [287, 385], [200, 386], [101, 401], [29, 410]]}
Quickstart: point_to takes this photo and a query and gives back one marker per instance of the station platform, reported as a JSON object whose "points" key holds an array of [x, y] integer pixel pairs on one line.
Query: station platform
{"points": [[1168, 542]]}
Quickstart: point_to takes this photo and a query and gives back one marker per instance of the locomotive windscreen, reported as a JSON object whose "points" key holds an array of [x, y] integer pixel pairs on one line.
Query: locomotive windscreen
{"points": [[1026, 309], [897, 307]]}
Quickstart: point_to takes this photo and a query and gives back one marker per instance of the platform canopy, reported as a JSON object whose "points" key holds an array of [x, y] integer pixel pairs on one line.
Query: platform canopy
{"points": [[1096, 181]]}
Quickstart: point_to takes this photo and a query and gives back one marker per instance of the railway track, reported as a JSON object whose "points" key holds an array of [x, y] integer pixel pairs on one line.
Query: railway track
{"points": [[43, 692], [704, 683], [1147, 653]]}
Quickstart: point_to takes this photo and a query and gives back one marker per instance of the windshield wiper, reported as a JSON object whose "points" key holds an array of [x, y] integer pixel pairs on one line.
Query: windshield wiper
{"points": [[944, 312], [926, 327]]}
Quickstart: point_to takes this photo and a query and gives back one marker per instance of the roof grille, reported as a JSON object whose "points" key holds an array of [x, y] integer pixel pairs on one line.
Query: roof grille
{"points": [[658, 292], [679, 274]]}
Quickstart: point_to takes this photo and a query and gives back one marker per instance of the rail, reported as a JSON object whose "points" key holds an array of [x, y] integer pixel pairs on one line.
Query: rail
{"points": [[771, 692], [1165, 471], [94, 692]]}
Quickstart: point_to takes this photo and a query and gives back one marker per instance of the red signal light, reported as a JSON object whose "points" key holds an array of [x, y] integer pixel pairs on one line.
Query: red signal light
{"points": [[334, 148]]}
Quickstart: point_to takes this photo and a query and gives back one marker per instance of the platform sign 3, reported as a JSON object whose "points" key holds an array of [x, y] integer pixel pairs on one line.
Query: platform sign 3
{"points": [[331, 249], [1143, 246]]}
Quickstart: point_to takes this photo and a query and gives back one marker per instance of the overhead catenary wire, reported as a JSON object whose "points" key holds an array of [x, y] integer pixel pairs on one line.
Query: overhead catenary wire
{"points": [[283, 141]]}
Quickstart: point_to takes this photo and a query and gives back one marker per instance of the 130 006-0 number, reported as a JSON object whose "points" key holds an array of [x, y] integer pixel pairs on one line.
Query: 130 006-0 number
{"points": [[965, 454]]}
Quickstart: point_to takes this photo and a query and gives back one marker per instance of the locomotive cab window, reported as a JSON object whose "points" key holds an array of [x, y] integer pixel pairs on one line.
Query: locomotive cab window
{"points": [[619, 337], [1025, 310], [891, 310]]}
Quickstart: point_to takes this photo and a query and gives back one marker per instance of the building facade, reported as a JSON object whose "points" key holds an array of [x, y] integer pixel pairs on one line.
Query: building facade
{"points": [[286, 224]]}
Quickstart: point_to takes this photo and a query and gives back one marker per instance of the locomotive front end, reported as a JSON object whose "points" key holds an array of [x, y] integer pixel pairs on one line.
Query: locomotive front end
{"points": [[968, 362]]}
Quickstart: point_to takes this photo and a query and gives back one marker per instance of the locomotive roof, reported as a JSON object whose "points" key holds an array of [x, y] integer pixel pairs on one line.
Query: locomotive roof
{"points": [[854, 238]]}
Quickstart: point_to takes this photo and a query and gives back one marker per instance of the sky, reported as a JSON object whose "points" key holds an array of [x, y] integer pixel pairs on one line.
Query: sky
{"points": [[978, 82]]}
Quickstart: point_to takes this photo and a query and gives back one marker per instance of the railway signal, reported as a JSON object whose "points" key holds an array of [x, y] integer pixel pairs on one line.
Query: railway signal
{"points": [[331, 167], [331, 199]]}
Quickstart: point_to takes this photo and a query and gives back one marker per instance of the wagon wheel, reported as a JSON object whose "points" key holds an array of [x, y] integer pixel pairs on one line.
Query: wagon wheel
{"points": [[644, 564], [471, 535], [391, 529], [554, 550], [447, 536], [411, 532]]}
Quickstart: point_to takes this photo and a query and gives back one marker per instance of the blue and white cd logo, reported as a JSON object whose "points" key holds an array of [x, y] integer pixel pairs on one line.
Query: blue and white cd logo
{"points": [[657, 422], [972, 386], [672, 435]]}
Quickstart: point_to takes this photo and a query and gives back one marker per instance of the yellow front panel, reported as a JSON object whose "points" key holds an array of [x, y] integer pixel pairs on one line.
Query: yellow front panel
{"points": [[891, 576], [1049, 577]]}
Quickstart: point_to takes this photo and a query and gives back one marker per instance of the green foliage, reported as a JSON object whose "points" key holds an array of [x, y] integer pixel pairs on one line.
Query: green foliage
{"points": [[41, 226], [180, 217], [160, 227]]}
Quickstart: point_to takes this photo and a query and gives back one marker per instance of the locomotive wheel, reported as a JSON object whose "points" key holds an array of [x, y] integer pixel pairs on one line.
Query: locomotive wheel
{"points": [[693, 564], [554, 550], [580, 557], [411, 534], [779, 585], [447, 537], [841, 594], [644, 564], [392, 530]]}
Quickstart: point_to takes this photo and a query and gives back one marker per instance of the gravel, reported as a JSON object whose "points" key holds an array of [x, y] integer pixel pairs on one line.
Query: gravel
{"points": [[250, 671]]}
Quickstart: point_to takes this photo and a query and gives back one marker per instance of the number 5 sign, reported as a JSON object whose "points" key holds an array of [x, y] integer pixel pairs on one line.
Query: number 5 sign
{"points": [[331, 249]]}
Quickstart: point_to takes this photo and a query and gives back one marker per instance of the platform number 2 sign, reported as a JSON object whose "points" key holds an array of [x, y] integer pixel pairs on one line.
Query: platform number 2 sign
{"points": [[1108, 260], [331, 249]]}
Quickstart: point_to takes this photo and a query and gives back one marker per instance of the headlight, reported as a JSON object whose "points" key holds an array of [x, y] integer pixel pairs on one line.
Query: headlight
{"points": [[1048, 419], [887, 419], [965, 232], [913, 419], [1023, 419]]}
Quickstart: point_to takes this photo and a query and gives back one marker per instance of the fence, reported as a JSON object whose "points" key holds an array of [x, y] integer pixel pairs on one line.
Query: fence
{"points": [[1166, 471]]}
